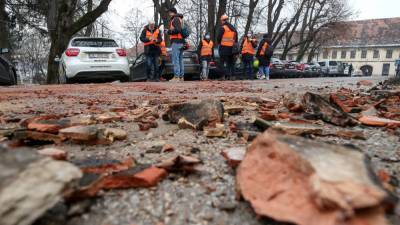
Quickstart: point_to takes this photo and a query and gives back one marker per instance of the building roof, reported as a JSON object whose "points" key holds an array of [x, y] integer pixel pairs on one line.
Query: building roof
{"points": [[375, 32]]}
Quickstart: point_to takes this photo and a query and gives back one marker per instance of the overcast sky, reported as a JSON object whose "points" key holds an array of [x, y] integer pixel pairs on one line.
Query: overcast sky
{"points": [[366, 9]]}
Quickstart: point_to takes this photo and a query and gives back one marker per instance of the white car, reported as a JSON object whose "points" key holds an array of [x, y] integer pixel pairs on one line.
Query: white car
{"points": [[93, 59]]}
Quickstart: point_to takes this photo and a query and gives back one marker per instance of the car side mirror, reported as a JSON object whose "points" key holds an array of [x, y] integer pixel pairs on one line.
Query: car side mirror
{"points": [[4, 51]]}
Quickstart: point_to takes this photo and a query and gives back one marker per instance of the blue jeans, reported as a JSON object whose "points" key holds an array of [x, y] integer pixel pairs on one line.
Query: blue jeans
{"points": [[152, 66], [177, 60], [264, 70]]}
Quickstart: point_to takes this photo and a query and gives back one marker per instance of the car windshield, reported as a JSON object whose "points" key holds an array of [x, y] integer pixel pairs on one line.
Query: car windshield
{"points": [[96, 43], [321, 63]]}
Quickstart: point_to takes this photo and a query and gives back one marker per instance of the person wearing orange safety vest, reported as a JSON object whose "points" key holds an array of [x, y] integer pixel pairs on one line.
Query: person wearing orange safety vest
{"points": [[248, 50], [151, 38], [264, 55], [227, 38], [177, 43], [163, 58], [206, 53]]}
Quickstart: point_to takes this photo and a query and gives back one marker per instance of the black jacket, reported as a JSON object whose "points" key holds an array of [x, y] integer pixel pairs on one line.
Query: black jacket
{"points": [[247, 57], [153, 49], [264, 60], [223, 50], [208, 58], [177, 28]]}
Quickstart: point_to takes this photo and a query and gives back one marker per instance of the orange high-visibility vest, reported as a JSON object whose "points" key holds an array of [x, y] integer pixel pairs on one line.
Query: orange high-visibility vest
{"points": [[264, 48], [171, 27], [153, 35], [228, 39], [248, 47], [207, 48], [163, 48]]}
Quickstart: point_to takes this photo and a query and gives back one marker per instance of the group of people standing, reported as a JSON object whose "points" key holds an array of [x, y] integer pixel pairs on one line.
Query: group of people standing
{"points": [[228, 44]]}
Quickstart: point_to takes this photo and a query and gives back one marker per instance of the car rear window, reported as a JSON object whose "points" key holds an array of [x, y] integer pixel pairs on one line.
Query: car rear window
{"points": [[333, 63], [321, 63], [96, 43]]}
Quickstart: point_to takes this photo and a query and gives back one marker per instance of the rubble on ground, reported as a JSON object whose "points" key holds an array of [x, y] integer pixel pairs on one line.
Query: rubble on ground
{"points": [[333, 184]]}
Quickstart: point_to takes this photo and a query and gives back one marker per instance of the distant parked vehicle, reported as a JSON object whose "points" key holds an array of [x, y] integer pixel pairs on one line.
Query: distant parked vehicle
{"points": [[312, 69], [190, 61], [397, 64], [95, 59], [331, 68], [8, 74]]}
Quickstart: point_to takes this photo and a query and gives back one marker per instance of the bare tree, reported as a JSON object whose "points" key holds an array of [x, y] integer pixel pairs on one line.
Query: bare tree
{"points": [[4, 25], [134, 24]]}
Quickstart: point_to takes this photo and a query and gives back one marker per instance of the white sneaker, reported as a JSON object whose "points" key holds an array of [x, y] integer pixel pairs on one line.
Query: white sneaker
{"points": [[263, 77]]}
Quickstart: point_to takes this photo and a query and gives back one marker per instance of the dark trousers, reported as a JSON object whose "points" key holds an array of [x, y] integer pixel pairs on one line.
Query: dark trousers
{"points": [[248, 69], [152, 62], [227, 64]]}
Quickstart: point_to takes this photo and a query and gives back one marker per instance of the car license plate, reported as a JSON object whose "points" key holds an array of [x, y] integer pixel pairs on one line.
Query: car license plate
{"points": [[187, 60], [98, 56], [291, 67]]}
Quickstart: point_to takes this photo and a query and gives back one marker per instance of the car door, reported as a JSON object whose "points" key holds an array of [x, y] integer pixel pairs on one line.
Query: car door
{"points": [[138, 70]]}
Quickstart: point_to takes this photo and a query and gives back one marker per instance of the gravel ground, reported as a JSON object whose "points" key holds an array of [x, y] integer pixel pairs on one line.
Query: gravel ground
{"points": [[207, 197]]}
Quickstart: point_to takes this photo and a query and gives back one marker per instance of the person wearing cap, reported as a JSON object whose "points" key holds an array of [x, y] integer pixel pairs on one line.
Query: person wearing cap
{"points": [[226, 39], [248, 47], [264, 55], [177, 43], [206, 53], [151, 37]]}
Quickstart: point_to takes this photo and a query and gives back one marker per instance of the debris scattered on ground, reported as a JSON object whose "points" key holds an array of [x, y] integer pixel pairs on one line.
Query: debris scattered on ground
{"points": [[379, 122], [197, 114], [297, 129], [181, 163], [293, 102], [104, 166], [364, 83], [234, 156], [333, 184], [218, 131], [31, 185], [319, 108], [54, 153]]}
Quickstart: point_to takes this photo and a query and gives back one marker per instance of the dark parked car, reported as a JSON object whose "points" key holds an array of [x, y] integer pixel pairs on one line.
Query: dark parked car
{"points": [[190, 60], [312, 69], [8, 75]]}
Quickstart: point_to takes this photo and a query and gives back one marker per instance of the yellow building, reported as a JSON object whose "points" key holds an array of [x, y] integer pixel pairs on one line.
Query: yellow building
{"points": [[371, 46]]}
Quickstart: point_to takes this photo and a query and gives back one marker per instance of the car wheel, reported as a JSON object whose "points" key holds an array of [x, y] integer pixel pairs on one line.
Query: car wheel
{"points": [[13, 79]]}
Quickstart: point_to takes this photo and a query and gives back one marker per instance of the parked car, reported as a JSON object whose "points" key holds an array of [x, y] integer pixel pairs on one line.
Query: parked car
{"points": [[8, 74], [312, 69], [190, 60], [95, 59], [331, 68]]}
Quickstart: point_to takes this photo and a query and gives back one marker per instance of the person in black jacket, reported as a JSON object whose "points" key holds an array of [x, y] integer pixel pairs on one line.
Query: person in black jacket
{"points": [[151, 37], [227, 38], [248, 49], [264, 55]]}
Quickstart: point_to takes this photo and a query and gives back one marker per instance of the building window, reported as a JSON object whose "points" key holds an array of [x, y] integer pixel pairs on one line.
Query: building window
{"points": [[353, 54], [344, 54], [389, 53], [325, 54], [376, 54], [386, 69], [334, 54], [364, 54]]}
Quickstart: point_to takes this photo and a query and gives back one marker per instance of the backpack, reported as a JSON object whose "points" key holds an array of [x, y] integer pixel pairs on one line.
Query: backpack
{"points": [[269, 52], [186, 31]]}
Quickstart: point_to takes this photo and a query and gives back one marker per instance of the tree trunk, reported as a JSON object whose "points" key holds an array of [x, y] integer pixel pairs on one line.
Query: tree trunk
{"points": [[252, 6], [62, 27], [89, 29], [4, 36], [211, 18]]}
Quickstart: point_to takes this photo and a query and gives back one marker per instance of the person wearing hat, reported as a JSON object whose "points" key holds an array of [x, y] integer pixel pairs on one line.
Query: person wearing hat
{"points": [[177, 43], [151, 37], [206, 53], [226, 39], [248, 47], [264, 55]]}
